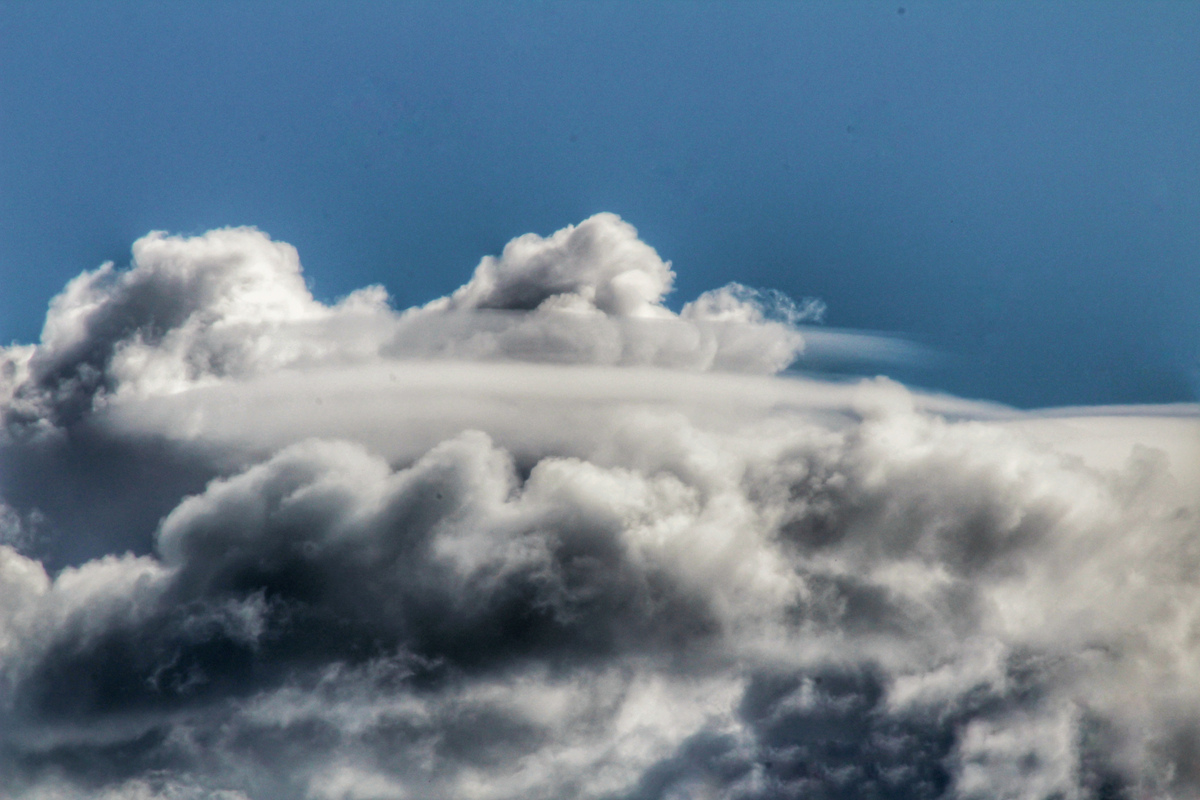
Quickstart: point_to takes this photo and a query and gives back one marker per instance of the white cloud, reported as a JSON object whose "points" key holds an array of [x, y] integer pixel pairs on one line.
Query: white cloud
{"points": [[190, 311], [232, 304], [598, 266], [546, 538]]}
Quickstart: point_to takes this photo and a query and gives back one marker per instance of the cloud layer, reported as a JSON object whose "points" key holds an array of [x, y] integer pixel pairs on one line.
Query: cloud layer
{"points": [[545, 537]]}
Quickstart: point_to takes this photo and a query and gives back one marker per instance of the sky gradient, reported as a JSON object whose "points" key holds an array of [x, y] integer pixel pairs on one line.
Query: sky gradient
{"points": [[1015, 186], [599, 401]]}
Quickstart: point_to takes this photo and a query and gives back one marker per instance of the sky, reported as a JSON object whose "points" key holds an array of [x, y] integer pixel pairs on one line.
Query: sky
{"points": [[1014, 186], [598, 402]]}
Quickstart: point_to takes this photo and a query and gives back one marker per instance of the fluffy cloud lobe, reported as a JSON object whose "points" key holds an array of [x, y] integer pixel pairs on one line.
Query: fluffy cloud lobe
{"points": [[712, 587]]}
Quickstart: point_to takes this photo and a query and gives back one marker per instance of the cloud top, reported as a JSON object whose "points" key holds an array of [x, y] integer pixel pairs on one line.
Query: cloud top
{"points": [[231, 304], [189, 311], [599, 265]]}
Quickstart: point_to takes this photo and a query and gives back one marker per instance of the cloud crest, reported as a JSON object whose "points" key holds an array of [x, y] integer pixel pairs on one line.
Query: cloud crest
{"points": [[231, 303], [604, 574], [189, 311]]}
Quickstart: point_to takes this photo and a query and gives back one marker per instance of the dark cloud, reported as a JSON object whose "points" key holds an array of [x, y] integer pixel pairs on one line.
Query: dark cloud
{"points": [[253, 547]]}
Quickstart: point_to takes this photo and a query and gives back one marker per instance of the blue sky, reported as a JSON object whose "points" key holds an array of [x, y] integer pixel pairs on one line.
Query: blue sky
{"points": [[1014, 185]]}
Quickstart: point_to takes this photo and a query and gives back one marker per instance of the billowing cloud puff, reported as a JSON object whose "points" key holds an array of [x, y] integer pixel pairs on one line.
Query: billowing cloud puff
{"points": [[190, 311], [599, 265], [593, 294], [339, 552]]}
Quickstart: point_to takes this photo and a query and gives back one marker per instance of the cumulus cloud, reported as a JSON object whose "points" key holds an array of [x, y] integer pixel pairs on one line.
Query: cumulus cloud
{"points": [[545, 537], [593, 294], [189, 311], [194, 311]]}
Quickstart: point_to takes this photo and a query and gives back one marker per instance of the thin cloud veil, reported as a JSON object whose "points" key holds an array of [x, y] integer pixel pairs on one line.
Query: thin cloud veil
{"points": [[546, 537]]}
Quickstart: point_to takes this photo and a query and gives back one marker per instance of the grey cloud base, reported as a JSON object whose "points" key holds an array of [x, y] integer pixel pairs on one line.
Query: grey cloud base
{"points": [[721, 586]]}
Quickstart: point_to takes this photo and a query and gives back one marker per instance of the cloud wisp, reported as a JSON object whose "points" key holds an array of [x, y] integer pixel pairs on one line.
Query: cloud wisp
{"points": [[546, 537]]}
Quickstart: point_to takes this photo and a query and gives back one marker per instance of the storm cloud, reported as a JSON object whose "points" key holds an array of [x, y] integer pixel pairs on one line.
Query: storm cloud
{"points": [[547, 537]]}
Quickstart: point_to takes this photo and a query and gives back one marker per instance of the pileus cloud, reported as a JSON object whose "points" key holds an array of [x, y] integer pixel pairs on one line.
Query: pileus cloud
{"points": [[546, 537]]}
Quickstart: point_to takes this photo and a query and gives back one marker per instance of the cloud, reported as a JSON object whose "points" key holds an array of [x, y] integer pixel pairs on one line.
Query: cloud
{"points": [[593, 294], [599, 265], [233, 304], [190, 311], [545, 537]]}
